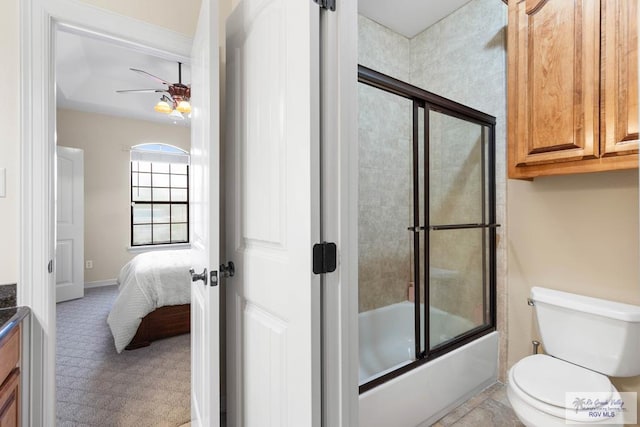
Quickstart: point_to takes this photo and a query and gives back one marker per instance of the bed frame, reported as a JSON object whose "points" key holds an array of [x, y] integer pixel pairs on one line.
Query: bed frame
{"points": [[163, 322]]}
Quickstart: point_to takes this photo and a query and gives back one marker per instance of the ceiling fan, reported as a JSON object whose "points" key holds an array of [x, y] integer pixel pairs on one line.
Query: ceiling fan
{"points": [[175, 96]]}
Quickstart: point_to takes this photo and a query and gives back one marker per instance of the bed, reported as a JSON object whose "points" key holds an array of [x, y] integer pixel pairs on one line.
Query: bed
{"points": [[153, 302]]}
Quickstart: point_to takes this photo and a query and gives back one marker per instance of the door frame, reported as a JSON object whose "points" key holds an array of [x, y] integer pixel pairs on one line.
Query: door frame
{"points": [[39, 19], [339, 217]]}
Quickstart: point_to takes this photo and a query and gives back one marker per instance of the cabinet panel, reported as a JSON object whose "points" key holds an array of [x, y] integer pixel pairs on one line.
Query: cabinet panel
{"points": [[553, 81], [9, 400], [619, 114], [9, 353]]}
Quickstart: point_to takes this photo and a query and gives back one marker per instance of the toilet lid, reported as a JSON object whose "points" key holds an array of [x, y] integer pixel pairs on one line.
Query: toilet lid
{"points": [[547, 379]]}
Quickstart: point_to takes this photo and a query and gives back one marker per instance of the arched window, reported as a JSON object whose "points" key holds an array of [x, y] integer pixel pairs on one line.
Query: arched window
{"points": [[159, 195]]}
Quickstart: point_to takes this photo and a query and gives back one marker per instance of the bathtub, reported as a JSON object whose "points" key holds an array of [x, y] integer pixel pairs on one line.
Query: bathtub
{"points": [[426, 393]]}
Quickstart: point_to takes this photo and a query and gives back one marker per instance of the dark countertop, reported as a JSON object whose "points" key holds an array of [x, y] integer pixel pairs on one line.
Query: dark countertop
{"points": [[10, 318], [8, 296]]}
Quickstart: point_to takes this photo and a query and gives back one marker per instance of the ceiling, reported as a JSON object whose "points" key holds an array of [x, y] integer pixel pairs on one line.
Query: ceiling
{"points": [[408, 17], [90, 70]]}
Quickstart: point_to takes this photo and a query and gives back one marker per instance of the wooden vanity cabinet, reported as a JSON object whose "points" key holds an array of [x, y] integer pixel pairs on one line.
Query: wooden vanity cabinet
{"points": [[10, 377], [572, 86]]}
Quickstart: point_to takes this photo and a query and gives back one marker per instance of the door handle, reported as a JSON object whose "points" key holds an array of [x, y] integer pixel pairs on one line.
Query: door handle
{"points": [[202, 276], [228, 270]]}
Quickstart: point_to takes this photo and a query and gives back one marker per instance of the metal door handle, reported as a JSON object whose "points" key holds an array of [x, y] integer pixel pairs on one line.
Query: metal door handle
{"points": [[195, 277], [228, 270]]}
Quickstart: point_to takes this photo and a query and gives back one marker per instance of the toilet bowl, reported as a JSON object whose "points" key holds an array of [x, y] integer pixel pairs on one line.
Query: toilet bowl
{"points": [[537, 387], [586, 341]]}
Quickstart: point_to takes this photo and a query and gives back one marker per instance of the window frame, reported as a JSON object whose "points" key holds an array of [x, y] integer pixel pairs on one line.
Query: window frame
{"points": [[162, 158]]}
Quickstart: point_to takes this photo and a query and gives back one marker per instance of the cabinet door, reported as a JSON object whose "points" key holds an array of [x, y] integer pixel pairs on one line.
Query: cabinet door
{"points": [[554, 71], [9, 400], [619, 97]]}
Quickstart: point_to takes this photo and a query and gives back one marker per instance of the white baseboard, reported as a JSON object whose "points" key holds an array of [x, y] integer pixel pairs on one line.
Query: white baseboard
{"points": [[100, 283]]}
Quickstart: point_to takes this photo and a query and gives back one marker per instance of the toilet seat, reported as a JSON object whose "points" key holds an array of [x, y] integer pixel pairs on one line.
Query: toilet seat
{"points": [[541, 381], [547, 379]]}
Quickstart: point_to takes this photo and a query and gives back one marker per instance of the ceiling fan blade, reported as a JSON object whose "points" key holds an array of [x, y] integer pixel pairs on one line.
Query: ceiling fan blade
{"points": [[151, 75], [141, 91]]}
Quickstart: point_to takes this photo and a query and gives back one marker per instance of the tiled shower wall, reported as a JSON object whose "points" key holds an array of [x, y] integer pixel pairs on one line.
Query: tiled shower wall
{"points": [[462, 57], [385, 193]]}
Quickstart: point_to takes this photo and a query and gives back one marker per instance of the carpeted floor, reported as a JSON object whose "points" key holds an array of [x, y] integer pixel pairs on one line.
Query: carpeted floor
{"points": [[98, 387]]}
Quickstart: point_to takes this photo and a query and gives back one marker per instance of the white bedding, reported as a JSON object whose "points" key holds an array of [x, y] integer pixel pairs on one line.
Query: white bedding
{"points": [[150, 280]]}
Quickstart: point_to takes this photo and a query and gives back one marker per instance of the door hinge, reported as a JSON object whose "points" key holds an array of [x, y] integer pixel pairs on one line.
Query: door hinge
{"points": [[327, 4], [324, 257]]}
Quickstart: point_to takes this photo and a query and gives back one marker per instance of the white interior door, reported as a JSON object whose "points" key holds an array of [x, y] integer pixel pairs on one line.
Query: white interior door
{"points": [[70, 224], [205, 213], [272, 216]]}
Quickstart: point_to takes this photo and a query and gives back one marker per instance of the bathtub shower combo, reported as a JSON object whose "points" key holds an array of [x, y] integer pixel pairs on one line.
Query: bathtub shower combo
{"points": [[427, 244]]}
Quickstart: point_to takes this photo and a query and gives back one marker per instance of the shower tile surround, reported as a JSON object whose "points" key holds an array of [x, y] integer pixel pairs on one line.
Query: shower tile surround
{"points": [[385, 174], [469, 69]]}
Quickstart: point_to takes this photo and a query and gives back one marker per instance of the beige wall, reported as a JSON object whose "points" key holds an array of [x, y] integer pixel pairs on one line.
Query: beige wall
{"points": [[574, 233], [10, 140], [181, 16], [106, 141]]}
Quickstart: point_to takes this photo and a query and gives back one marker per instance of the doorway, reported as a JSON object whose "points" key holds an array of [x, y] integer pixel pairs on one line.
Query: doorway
{"points": [[36, 287], [135, 210]]}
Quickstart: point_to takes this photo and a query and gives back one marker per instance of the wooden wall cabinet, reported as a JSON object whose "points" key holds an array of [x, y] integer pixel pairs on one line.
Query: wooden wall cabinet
{"points": [[572, 86], [10, 379]]}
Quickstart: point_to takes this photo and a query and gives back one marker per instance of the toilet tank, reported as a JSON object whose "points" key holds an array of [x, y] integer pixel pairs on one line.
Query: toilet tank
{"points": [[598, 334]]}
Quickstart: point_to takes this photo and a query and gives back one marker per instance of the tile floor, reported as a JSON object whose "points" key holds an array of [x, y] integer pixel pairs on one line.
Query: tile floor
{"points": [[490, 408]]}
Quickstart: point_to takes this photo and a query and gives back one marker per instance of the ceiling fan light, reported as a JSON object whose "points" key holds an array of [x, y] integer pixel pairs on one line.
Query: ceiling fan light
{"points": [[175, 115], [184, 107], [162, 107]]}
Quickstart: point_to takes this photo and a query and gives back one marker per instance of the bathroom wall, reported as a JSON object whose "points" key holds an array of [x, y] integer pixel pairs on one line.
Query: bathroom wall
{"points": [[385, 172], [576, 233], [106, 141], [470, 68]]}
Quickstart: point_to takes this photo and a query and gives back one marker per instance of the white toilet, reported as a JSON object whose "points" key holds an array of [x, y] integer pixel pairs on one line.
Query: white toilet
{"points": [[586, 340]]}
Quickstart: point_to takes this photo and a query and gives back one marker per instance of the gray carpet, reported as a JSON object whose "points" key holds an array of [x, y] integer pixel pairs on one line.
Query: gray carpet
{"points": [[98, 387]]}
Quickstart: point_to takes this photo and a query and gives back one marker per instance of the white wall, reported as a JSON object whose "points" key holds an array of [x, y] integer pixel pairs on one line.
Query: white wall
{"points": [[106, 141], [10, 140]]}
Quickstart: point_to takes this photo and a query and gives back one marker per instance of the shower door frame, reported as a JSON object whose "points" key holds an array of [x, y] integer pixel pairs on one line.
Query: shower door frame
{"points": [[432, 102]]}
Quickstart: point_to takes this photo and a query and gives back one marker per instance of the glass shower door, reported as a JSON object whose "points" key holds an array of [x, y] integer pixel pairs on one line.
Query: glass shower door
{"points": [[460, 228], [385, 207], [426, 225]]}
